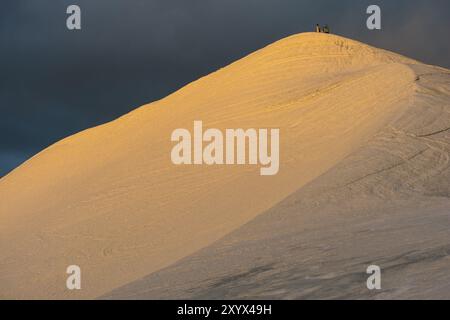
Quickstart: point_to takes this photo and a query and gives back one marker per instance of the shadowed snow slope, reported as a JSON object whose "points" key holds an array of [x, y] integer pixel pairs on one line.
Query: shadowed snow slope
{"points": [[363, 139]]}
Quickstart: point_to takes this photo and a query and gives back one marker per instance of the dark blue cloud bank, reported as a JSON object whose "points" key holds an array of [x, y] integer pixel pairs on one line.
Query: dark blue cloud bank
{"points": [[55, 82]]}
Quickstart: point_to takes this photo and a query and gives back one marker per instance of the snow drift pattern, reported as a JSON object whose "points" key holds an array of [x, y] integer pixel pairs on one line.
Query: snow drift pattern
{"points": [[362, 131]]}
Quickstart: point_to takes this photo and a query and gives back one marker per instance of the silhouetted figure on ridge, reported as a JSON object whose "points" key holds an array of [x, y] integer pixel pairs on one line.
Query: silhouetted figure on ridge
{"points": [[325, 29]]}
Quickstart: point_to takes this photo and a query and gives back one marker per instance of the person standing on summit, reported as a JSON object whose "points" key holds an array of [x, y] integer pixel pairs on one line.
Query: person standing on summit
{"points": [[318, 29]]}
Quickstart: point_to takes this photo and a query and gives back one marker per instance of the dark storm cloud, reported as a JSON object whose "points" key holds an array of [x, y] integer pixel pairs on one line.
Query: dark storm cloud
{"points": [[55, 82]]}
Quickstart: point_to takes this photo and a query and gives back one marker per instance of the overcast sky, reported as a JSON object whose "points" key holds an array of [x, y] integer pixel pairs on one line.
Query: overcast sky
{"points": [[55, 82]]}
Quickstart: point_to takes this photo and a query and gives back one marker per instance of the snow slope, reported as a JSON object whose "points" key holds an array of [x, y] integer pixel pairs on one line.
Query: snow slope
{"points": [[387, 204], [362, 131]]}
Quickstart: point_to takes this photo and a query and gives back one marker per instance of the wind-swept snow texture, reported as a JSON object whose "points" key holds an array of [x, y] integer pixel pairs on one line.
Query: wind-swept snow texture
{"points": [[364, 179]]}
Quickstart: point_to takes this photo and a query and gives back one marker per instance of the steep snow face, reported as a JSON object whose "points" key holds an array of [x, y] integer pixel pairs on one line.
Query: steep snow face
{"points": [[110, 200], [387, 203]]}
